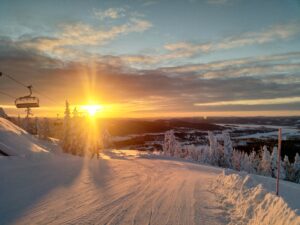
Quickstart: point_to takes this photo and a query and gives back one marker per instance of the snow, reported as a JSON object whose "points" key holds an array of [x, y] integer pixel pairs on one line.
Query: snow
{"points": [[14, 141], [273, 134], [117, 189], [251, 199], [130, 187], [286, 131]]}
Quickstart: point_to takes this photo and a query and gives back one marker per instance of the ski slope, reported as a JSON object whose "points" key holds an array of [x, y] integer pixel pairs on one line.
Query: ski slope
{"points": [[128, 187], [14, 141], [116, 189]]}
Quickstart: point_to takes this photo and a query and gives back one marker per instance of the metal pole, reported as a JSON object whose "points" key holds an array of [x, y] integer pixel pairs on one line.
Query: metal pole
{"points": [[278, 161]]}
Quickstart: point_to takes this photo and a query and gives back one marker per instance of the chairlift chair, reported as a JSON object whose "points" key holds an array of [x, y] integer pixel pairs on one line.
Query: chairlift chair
{"points": [[27, 101]]}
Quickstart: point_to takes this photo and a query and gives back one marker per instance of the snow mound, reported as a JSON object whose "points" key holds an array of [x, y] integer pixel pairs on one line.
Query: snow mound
{"points": [[249, 202], [14, 141]]}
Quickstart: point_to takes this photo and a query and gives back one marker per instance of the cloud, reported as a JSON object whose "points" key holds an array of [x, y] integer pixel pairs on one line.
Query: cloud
{"points": [[274, 101], [223, 67], [273, 33], [171, 89], [111, 13], [185, 50], [81, 34]]}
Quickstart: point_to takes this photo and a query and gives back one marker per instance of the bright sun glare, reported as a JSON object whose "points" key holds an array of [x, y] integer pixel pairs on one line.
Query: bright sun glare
{"points": [[92, 109]]}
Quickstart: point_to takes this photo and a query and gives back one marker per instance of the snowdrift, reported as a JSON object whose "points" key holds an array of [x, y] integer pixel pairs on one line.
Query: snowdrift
{"points": [[250, 202], [14, 141]]}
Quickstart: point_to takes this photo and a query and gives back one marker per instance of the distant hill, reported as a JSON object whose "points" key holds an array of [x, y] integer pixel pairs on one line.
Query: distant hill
{"points": [[126, 127]]}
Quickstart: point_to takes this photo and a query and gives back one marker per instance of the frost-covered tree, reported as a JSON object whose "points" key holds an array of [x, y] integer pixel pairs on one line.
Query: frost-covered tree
{"points": [[254, 162], [265, 165], [170, 145], [236, 160], [287, 168], [227, 149], [204, 155], [274, 163], [190, 151], [296, 167], [106, 139], [245, 163], [214, 149], [274, 159], [79, 140], [66, 134]]}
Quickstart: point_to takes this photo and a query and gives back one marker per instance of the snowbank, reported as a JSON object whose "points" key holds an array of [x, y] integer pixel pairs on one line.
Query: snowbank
{"points": [[249, 202], [14, 141]]}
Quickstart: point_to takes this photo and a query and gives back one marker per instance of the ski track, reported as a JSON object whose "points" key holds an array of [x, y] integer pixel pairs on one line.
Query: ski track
{"points": [[119, 190]]}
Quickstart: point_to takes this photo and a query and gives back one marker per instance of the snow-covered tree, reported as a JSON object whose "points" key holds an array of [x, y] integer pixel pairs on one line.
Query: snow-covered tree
{"points": [[227, 149], [287, 168], [236, 160], [265, 165], [274, 162], [79, 135], [254, 162], [106, 139], [296, 167], [245, 163], [214, 149], [170, 145], [274, 159], [66, 134], [193, 153]]}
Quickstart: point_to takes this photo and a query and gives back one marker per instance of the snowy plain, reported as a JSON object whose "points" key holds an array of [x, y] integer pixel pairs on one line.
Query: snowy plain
{"points": [[129, 187]]}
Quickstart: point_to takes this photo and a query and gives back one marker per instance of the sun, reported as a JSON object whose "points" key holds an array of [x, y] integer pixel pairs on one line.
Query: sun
{"points": [[92, 109]]}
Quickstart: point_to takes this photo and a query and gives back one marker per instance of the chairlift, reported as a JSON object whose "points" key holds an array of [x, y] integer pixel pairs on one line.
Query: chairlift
{"points": [[27, 101], [57, 121]]}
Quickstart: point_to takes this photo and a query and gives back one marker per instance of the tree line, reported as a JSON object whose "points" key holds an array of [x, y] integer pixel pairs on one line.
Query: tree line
{"points": [[262, 163]]}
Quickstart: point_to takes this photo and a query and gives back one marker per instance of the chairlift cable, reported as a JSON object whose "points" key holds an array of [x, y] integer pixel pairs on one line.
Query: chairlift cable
{"points": [[8, 95], [15, 80], [41, 94], [26, 86]]}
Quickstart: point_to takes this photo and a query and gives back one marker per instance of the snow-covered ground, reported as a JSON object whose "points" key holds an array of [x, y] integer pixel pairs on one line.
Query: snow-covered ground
{"points": [[14, 141], [127, 187], [251, 199], [286, 130]]}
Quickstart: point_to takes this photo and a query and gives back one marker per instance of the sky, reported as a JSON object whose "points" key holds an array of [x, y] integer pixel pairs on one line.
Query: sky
{"points": [[153, 58]]}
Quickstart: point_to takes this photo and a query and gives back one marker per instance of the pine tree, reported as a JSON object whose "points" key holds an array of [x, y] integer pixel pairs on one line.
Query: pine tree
{"points": [[236, 160], [274, 159], [170, 143], [106, 139], [214, 149], [265, 165], [254, 162], [66, 134], [296, 167], [287, 168], [274, 163], [78, 135], [227, 149], [245, 163]]}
